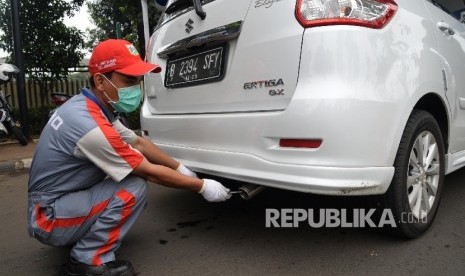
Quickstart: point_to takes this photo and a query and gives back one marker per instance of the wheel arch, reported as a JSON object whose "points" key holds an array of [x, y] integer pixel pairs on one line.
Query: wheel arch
{"points": [[434, 104]]}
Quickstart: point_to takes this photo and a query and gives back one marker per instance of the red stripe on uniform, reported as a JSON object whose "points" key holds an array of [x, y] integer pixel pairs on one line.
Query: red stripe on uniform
{"points": [[97, 209], [132, 157], [128, 200], [42, 221], [48, 225]]}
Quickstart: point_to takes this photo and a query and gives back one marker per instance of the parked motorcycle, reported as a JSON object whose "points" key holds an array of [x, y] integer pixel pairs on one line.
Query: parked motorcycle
{"points": [[58, 99], [8, 123]]}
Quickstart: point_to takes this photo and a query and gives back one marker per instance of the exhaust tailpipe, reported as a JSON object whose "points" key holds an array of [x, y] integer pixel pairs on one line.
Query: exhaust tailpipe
{"points": [[250, 190]]}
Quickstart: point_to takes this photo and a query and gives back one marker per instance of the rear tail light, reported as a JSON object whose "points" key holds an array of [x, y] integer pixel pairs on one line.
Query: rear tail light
{"points": [[368, 13], [59, 100]]}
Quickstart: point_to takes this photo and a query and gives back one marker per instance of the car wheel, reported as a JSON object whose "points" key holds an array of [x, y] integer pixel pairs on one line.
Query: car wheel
{"points": [[415, 191]]}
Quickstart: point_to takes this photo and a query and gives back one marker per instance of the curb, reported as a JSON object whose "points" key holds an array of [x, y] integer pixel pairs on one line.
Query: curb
{"points": [[15, 142], [18, 165], [7, 143]]}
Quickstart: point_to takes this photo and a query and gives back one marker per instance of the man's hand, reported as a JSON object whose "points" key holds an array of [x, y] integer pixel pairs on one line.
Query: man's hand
{"points": [[185, 171], [213, 191]]}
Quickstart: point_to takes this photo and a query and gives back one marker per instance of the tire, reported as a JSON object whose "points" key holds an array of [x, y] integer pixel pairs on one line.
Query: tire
{"points": [[415, 191], [18, 134]]}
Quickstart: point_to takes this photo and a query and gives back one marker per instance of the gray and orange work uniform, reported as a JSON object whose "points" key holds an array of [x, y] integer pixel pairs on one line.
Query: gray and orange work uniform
{"points": [[80, 191]]}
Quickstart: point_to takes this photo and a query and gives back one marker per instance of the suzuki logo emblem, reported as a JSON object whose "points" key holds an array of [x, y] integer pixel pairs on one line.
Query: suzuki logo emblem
{"points": [[188, 25]]}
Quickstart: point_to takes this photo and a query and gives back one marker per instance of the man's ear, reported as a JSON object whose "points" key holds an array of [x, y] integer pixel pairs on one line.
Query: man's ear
{"points": [[98, 81]]}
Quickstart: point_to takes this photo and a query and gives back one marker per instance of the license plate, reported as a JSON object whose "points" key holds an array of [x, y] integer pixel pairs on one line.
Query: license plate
{"points": [[203, 67]]}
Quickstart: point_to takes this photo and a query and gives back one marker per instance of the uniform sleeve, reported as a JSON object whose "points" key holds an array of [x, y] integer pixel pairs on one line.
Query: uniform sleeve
{"points": [[105, 147], [128, 135]]}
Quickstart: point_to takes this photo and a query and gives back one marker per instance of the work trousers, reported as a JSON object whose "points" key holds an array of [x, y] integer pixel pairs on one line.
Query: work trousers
{"points": [[92, 221]]}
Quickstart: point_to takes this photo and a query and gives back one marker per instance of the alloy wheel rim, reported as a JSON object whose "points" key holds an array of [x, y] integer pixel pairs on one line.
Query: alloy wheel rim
{"points": [[423, 175]]}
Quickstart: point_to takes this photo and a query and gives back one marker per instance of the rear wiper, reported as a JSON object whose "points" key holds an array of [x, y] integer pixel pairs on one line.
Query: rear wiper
{"points": [[198, 9], [182, 4], [178, 5]]}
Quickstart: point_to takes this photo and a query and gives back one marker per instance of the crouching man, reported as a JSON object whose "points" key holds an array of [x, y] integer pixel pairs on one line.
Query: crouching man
{"points": [[87, 182]]}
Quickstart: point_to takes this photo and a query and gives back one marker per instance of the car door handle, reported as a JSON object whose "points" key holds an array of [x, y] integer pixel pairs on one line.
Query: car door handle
{"points": [[445, 28]]}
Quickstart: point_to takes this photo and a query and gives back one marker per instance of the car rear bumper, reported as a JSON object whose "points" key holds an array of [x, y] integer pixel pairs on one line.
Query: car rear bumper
{"points": [[302, 178]]}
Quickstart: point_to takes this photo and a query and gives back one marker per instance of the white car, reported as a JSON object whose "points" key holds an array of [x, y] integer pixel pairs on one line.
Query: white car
{"points": [[334, 97]]}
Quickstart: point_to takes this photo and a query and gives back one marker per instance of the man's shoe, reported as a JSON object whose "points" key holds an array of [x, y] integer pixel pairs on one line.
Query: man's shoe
{"points": [[114, 268]]}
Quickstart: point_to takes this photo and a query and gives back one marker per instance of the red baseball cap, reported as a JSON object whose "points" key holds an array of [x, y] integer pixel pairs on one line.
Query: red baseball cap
{"points": [[121, 56]]}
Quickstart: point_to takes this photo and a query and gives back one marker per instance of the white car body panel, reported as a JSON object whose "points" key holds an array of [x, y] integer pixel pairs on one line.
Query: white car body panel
{"points": [[353, 87], [250, 59], [452, 54]]}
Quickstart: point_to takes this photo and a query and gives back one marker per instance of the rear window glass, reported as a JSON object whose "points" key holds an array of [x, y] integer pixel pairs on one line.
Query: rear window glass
{"points": [[456, 8]]}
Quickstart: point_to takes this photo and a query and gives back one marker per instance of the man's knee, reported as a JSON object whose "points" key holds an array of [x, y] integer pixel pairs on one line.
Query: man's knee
{"points": [[137, 186]]}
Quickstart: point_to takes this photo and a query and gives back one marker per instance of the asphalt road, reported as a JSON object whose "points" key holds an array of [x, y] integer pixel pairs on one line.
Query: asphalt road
{"points": [[181, 234]]}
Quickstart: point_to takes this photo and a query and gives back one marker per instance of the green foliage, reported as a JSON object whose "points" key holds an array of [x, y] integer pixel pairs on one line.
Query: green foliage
{"points": [[105, 15], [48, 44], [50, 47], [38, 117]]}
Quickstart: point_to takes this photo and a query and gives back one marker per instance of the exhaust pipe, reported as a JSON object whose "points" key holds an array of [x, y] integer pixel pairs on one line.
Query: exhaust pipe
{"points": [[250, 190]]}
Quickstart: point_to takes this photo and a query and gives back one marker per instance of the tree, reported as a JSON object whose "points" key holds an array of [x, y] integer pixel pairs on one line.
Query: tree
{"points": [[50, 47], [106, 13], [48, 43]]}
